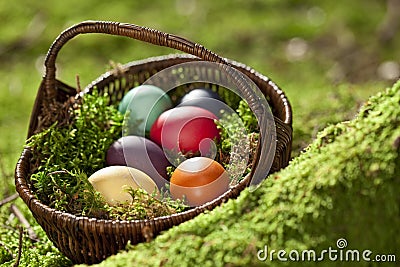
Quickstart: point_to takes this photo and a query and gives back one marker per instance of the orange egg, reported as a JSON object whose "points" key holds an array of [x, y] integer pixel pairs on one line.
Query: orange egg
{"points": [[199, 180]]}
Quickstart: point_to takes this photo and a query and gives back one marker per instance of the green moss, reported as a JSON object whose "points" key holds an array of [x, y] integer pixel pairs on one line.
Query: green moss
{"points": [[345, 185], [39, 252], [67, 155]]}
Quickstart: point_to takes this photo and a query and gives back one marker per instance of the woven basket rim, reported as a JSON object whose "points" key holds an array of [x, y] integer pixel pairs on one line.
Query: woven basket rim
{"points": [[196, 210]]}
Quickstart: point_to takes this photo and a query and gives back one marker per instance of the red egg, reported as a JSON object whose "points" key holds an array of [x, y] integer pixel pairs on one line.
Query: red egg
{"points": [[185, 129], [199, 180]]}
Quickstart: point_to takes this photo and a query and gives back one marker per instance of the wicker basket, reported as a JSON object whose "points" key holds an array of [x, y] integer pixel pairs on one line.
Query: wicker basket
{"points": [[90, 240]]}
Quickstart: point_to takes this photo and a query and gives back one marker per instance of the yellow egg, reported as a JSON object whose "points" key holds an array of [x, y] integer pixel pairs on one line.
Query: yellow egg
{"points": [[112, 183]]}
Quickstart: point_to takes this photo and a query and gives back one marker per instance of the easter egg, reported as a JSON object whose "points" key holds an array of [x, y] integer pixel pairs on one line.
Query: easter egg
{"points": [[113, 182], [217, 107], [140, 153], [200, 93], [199, 180], [185, 129], [144, 104], [207, 99]]}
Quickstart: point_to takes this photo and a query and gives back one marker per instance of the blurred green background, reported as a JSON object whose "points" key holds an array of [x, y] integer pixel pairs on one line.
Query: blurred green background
{"points": [[328, 56]]}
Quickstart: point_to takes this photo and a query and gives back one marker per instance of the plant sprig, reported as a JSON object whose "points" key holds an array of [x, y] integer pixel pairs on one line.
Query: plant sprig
{"points": [[239, 136], [145, 206], [65, 156]]}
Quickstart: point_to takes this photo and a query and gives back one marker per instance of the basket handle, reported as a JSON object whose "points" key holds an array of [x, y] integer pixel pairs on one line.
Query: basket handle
{"points": [[162, 39], [122, 29]]}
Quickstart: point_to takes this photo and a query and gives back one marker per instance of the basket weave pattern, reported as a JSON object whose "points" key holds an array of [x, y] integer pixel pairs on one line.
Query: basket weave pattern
{"points": [[91, 240]]}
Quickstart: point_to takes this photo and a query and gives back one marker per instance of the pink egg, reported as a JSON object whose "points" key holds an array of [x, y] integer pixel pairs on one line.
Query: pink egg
{"points": [[185, 129]]}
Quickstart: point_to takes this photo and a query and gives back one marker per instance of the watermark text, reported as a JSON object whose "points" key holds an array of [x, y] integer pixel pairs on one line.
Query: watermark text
{"points": [[338, 253]]}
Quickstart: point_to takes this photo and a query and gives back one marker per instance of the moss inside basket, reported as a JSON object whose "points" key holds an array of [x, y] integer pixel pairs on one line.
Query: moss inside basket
{"points": [[65, 156]]}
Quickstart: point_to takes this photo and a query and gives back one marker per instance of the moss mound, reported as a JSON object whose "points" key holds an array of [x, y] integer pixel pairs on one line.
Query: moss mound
{"points": [[345, 185]]}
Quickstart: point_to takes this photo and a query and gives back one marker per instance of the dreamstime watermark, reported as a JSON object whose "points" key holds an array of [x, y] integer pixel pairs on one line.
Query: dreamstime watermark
{"points": [[338, 253]]}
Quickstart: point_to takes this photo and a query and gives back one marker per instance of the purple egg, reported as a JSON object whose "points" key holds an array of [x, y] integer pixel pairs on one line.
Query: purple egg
{"points": [[140, 153], [207, 99], [198, 93], [215, 106]]}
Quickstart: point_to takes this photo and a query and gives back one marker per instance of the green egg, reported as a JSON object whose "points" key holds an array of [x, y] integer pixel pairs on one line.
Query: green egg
{"points": [[142, 105]]}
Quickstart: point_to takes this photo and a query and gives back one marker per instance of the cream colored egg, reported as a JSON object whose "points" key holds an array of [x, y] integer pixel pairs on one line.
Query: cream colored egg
{"points": [[112, 183]]}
